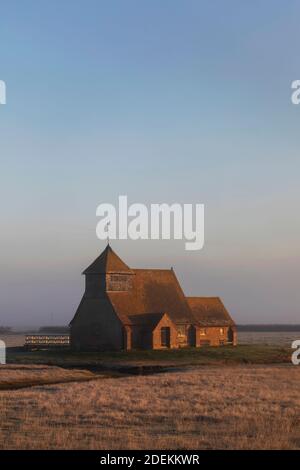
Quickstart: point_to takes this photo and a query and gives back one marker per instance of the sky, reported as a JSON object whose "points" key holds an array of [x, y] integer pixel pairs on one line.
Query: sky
{"points": [[162, 101]]}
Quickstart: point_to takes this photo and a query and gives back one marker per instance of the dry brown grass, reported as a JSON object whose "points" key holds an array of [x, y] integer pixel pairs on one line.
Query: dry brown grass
{"points": [[16, 376], [241, 407]]}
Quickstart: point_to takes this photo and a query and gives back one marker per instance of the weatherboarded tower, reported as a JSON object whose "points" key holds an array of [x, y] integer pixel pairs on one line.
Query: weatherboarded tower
{"points": [[96, 324]]}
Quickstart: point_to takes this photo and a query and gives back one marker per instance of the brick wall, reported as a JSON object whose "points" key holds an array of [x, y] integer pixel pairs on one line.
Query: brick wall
{"points": [[215, 336], [156, 336]]}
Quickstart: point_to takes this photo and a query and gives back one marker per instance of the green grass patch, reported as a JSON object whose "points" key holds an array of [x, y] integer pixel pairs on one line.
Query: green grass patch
{"points": [[242, 354]]}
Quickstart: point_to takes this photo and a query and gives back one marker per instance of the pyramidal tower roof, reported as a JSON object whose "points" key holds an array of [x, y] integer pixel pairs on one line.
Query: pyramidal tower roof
{"points": [[108, 262]]}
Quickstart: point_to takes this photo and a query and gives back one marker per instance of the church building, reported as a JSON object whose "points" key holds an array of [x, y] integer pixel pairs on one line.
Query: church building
{"points": [[126, 308]]}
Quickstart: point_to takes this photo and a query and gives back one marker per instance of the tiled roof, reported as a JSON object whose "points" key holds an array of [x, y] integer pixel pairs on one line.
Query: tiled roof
{"points": [[146, 319], [154, 290], [209, 311], [107, 262], [89, 310]]}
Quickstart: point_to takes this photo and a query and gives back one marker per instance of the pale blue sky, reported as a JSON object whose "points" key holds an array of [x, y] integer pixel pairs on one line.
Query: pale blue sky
{"points": [[165, 101]]}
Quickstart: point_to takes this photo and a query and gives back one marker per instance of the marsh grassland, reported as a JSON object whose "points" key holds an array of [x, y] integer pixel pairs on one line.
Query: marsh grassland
{"points": [[13, 377], [200, 407]]}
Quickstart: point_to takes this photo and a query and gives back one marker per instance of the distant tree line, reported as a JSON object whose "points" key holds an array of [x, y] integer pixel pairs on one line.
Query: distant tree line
{"points": [[5, 330], [269, 327], [54, 330]]}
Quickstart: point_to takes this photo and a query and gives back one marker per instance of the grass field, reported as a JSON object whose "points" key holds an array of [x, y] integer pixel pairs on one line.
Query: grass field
{"points": [[211, 407], [14, 376], [241, 354], [244, 397]]}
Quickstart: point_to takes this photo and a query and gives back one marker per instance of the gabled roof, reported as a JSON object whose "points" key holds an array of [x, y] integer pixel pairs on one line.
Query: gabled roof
{"points": [[108, 262], [209, 311], [153, 290], [150, 320]]}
